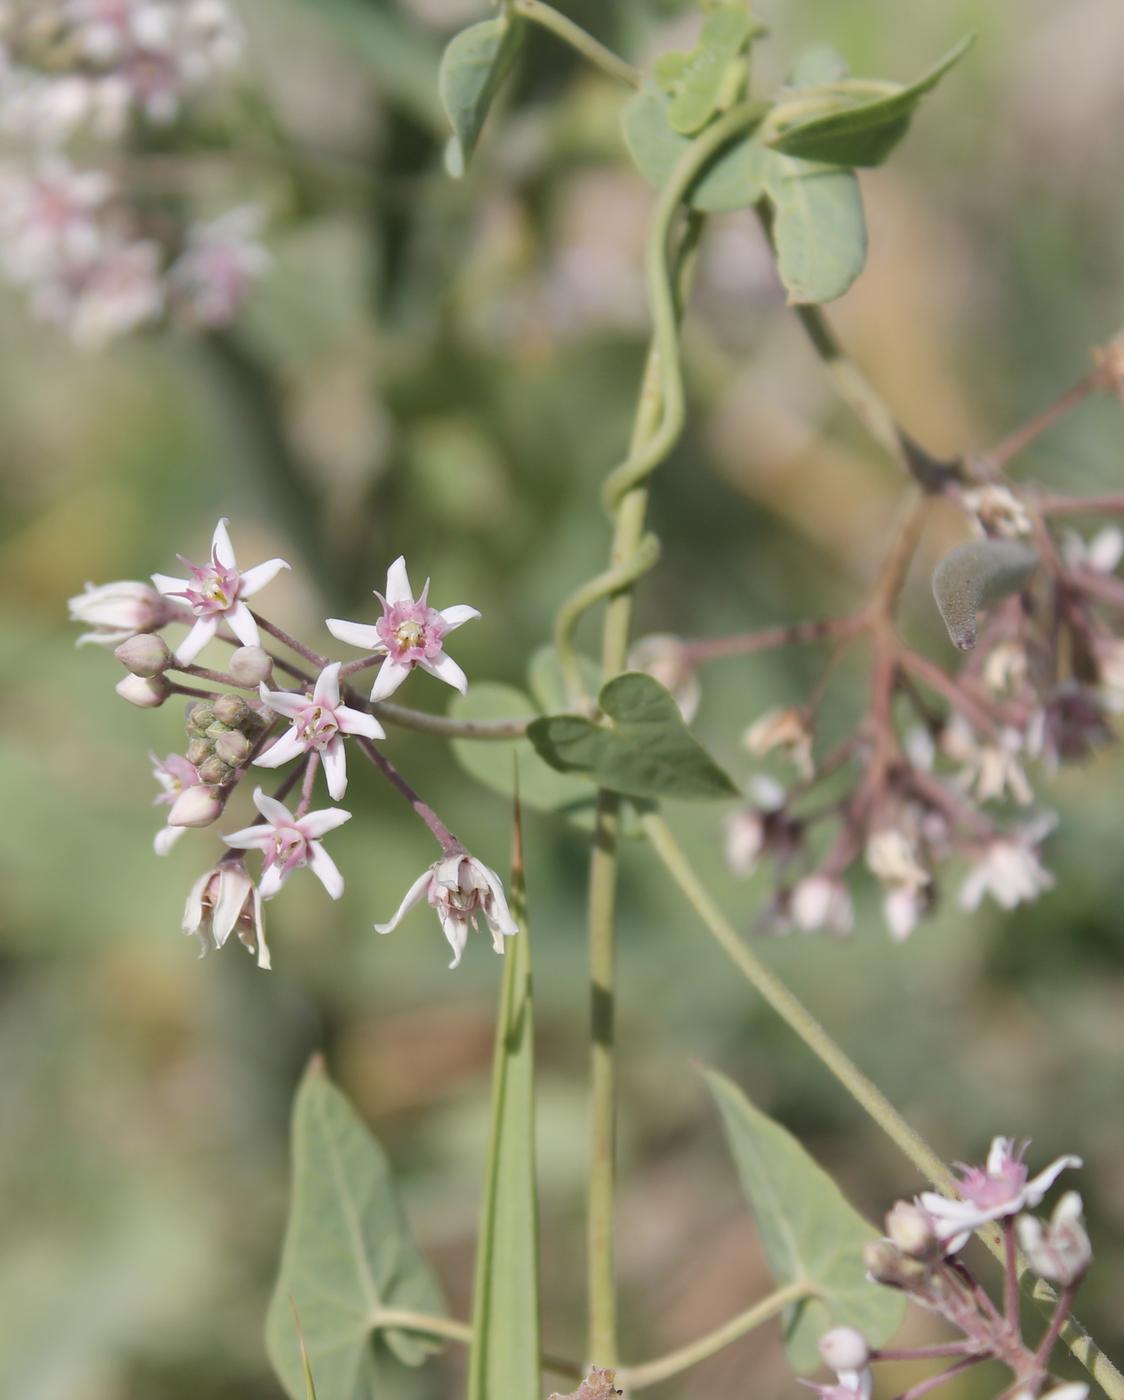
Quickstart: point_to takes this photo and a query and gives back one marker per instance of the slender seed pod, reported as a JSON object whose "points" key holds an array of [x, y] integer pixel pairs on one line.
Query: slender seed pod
{"points": [[977, 575]]}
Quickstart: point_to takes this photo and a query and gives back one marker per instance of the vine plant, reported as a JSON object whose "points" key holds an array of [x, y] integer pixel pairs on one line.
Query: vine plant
{"points": [[608, 742]]}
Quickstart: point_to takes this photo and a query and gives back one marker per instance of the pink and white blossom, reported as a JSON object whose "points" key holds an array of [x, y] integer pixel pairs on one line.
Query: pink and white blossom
{"points": [[220, 262], [410, 633], [787, 729], [1002, 1187], [1059, 1251], [146, 692], [175, 775], [287, 842], [199, 805], [117, 611], [461, 889], [216, 592], [1008, 868], [224, 901], [319, 724]]}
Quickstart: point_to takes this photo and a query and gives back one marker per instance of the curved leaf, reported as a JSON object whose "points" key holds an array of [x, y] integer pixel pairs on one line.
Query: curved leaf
{"points": [[818, 227], [977, 575], [810, 1232], [347, 1253], [697, 80], [474, 64]]}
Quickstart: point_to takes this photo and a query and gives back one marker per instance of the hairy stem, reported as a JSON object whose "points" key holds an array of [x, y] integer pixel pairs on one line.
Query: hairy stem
{"points": [[577, 38], [453, 1330]]}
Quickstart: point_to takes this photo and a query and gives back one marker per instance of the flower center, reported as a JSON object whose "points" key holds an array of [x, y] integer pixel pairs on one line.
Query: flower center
{"points": [[317, 726], [410, 634], [987, 1191], [411, 631], [289, 848]]}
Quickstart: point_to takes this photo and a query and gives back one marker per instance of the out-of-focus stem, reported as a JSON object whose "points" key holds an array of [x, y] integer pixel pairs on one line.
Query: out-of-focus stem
{"points": [[578, 39]]}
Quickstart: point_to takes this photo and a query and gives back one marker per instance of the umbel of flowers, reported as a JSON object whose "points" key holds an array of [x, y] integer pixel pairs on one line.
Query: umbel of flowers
{"points": [[268, 710]]}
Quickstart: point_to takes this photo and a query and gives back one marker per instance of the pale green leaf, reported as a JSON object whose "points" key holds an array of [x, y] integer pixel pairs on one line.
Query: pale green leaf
{"points": [[640, 745], [976, 575], [697, 81], [348, 1253], [809, 1231], [852, 122], [506, 1345], [818, 227], [473, 66]]}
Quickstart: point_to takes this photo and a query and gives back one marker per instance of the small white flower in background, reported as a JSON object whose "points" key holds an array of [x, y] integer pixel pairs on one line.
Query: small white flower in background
{"points": [[1008, 868], [1001, 1188], [821, 901], [221, 260], [461, 889], [288, 842], [911, 1229], [117, 611], [785, 729], [991, 770], [119, 292], [847, 1352], [224, 901], [1059, 1251], [1102, 554], [997, 511], [175, 775], [661, 656], [319, 724], [892, 857], [1075, 1390], [752, 832], [850, 1385], [1006, 668], [216, 592], [52, 220], [410, 632]]}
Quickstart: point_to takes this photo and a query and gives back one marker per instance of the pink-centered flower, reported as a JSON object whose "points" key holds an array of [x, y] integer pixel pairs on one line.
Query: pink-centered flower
{"points": [[1000, 1188], [175, 775], [287, 842], [461, 889], [410, 632], [224, 901], [217, 592], [319, 724]]}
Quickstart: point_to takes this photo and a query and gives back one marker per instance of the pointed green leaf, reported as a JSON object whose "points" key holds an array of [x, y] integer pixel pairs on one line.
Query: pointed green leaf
{"points": [[347, 1253], [977, 575], [697, 81], [473, 66], [639, 747], [734, 180], [810, 1232], [818, 227], [506, 1343], [852, 123], [816, 66]]}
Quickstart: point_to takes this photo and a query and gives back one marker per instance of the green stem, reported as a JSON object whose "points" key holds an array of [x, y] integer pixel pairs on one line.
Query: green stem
{"points": [[652, 1372], [452, 1330], [441, 725], [577, 38], [867, 1095]]}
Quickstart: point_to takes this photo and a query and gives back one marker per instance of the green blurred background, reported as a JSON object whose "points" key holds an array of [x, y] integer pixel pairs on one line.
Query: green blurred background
{"points": [[447, 370]]}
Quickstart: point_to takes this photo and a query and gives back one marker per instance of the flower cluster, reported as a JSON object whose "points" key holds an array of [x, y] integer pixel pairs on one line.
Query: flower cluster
{"points": [[91, 260], [920, 1257], [272, 713]]}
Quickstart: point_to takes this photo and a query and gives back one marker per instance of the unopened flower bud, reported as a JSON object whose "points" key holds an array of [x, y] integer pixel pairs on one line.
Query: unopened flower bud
{"points": [[844, 1349], [197, 805], [199, 716], [250, 666], [214, 771], [885, 1263], [1059, 1251], [199, 751], [231, 709], [911, 1229], [146, 654], [215, 728], [145, 691], [233, 748]]}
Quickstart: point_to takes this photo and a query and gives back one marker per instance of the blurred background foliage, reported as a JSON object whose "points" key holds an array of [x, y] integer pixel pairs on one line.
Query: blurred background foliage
{"points": [[447, 370]]}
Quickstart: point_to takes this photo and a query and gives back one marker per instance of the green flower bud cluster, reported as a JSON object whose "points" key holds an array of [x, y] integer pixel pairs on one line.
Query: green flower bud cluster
{"points": [[221, 735]]}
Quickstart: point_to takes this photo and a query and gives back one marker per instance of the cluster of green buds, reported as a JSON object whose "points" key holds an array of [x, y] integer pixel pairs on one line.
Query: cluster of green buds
{"points": [[221, 737]]}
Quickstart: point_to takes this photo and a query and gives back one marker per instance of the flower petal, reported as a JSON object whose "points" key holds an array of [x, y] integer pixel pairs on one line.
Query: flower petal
{"points": [[193, 907], [457, 616], [272, 880], [241, 622], [250, 838], [264, 960], [398, 583], [255, 579], [357, 722], [221, 548], [234, 886], [327, 689], [456, 933], [276, 813], [390, 676], [325, 869], [501, 919], [166, 838], [204, 629], [1038, 1185], [283, 702], [355, 634], [411, 897], [166, 584], [283, 750], [447, 670], [316, 824], [335, 768]]}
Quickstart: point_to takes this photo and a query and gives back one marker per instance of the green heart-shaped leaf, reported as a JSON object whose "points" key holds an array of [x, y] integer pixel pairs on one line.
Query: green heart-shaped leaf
{"points": [[810, 1231], [640, 746], [474, 64], [818, 227]]}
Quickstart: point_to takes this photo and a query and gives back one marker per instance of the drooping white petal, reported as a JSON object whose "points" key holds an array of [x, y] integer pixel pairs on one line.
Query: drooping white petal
{"points": [[283, 702], [1038, 1185], [325, 869], [265, 962], [221, 548], [447, 670], [500, 916], [166, 584], [272, 880], [166, 838], [276, 813], [355, 634], [390, 676], [234, 886], [398, 583], [327, 688], [193, 907], [289, 746], [456, 932], [358, 722], [457, 616], [241, 622], [973, 889], [255, 579], [204, 629], [316, 824], [1106, 549], [335, 768], [411, 897]]}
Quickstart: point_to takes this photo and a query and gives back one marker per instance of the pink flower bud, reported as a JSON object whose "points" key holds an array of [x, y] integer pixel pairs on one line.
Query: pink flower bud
{"points": [[198, 805], [145, 691], [845, 1349], [144, 655], [250, 666]]}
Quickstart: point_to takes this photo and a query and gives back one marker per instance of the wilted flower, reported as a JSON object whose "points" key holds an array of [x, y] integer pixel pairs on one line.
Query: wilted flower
{"points": [[991, 770], [221, 260], [786, 729], [1101, 554], [1000, 1188], [998, 512], [223, 901], [761, 830], [892, 856], [288, 842], [1006, 669], [460, 888], [661, 656], [1008, 868], [319, 723], [117, 611], [217, 592], [410, 632], [1060, 1250], [1070, 726], [822, 901]]}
